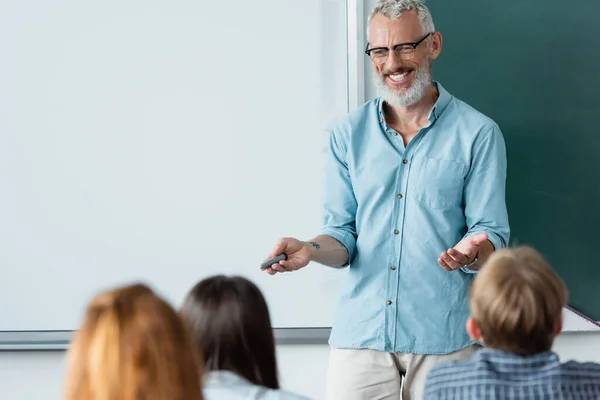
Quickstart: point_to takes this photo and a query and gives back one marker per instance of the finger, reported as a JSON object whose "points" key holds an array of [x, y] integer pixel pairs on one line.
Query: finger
{"points": [[444, 265], [287, 265], [279, 268], [450, 261], [279, 248], [459, 257], [270, 271]]}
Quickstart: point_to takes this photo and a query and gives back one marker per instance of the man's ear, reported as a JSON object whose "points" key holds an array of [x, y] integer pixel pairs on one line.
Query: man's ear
{"points": [[473, 329], [435, 46]]}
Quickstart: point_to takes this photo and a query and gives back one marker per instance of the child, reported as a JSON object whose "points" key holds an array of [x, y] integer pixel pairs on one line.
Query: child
{"points": [[516, 312], [132, 345], [233, 334]]}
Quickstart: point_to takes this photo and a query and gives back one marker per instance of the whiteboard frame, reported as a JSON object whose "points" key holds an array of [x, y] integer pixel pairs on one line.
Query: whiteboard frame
{"points": [[60, 340]]}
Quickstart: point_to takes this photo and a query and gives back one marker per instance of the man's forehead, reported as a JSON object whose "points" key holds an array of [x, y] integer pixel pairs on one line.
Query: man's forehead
{"points": [[406, 26]]}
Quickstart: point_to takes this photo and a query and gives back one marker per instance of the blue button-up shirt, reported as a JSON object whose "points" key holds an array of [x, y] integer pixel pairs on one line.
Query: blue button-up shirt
{"points": [[494, 374], [397, 209]]}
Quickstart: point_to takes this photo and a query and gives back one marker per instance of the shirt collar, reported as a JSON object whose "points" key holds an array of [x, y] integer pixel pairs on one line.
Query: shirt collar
{"points": [[436, 111], [224, 378], [441, 103], [504, 361]]}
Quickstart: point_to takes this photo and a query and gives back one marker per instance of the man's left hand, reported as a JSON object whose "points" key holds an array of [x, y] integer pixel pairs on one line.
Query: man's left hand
{"points": [[463, 253]]}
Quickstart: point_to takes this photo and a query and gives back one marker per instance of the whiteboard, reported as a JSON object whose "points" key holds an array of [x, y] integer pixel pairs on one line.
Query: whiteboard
{"points": [[163, 142], [574, 321]]}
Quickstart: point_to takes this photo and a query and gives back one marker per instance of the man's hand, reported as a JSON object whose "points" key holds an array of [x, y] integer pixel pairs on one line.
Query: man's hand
{"points": [[463, 253], [298, 253]]}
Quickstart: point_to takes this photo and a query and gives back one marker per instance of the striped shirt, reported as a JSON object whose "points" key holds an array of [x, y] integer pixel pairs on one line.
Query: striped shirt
{"points": [[494, 374]]}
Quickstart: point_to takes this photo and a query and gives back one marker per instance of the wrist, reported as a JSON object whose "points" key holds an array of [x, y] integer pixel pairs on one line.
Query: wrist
{"points": [[313, 247]]}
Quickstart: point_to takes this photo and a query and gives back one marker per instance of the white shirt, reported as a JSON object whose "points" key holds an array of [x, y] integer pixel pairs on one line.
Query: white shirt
{"points": [[226, 385]]}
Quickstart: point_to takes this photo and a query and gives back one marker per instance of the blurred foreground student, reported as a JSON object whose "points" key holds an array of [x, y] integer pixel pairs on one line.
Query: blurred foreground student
{"points": [[516, 312], [232, 329], [132, 346]]}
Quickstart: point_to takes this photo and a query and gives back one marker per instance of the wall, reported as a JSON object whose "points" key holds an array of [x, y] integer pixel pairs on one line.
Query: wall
{"points": [[38, 375]]}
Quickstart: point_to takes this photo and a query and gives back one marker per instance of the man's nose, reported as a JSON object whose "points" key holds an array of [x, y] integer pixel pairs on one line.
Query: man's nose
{"points": [[393, 61]]}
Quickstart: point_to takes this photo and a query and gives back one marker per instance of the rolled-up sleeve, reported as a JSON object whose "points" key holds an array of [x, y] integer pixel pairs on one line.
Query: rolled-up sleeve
{"points": [[485, 189], [339, 202]]}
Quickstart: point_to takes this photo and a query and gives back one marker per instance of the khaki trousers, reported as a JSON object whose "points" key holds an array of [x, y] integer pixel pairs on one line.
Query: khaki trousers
{"points": [[375, 375]]}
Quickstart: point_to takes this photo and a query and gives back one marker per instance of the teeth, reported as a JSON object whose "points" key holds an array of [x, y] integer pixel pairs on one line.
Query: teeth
{"points": [[398, 77]]}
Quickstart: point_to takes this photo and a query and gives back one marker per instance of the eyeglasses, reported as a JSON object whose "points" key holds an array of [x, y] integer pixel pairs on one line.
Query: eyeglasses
{"points": [[404, 51]]}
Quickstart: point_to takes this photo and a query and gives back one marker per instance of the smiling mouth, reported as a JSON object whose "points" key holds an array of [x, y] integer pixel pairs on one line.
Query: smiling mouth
{"points": [[399, 76]]}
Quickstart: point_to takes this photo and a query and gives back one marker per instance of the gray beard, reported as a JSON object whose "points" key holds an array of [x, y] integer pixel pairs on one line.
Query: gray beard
{"points": [[415, 92]]}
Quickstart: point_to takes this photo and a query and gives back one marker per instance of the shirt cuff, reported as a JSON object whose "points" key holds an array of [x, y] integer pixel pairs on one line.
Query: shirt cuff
{"points": [[345, 238], [468, 270]]}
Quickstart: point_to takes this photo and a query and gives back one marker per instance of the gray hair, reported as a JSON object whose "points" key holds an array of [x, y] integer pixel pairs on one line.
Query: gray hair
{"points": [[393, 9]]}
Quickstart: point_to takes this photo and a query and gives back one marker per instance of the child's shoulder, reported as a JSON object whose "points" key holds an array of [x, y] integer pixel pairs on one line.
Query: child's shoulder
{"points": [[589, 369], [451, 367]]}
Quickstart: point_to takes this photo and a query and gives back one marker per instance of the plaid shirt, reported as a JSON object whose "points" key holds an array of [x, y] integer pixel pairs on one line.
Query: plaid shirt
{"points": [[494, 374]]}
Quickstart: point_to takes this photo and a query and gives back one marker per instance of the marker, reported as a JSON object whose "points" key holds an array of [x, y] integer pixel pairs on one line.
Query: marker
{"points": [[273, 260]]}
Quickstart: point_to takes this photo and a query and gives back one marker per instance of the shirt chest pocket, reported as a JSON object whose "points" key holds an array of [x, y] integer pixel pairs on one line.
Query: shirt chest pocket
{"points": [[439, 183]]}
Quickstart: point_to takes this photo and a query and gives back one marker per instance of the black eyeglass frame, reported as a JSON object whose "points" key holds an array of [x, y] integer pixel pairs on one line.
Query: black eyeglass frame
{"points": [[414, 46]]}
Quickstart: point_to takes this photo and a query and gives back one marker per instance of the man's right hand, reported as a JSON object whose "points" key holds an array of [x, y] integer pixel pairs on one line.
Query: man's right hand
{"points": [[298, 255]]}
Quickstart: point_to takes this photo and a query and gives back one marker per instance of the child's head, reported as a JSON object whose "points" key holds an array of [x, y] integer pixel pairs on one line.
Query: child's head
{"points": [[516, 302], [132, 345], [232, 328]]}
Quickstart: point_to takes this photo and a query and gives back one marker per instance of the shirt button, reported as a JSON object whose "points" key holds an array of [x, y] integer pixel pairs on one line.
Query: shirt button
{"points": [[393, 267], [389, 302], [396, 231], [395, 133], [405, 161], [399, 195]]}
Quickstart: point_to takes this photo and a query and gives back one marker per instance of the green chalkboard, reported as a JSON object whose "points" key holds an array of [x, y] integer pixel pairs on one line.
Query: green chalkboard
{"points": [[534, 67]]}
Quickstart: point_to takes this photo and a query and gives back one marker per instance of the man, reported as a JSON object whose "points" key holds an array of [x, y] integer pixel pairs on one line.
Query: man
{"points": [[516, 304], [414, 201]]}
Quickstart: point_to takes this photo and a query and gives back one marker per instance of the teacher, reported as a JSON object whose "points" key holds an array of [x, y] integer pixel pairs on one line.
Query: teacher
{"points": [[414, 203]]}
